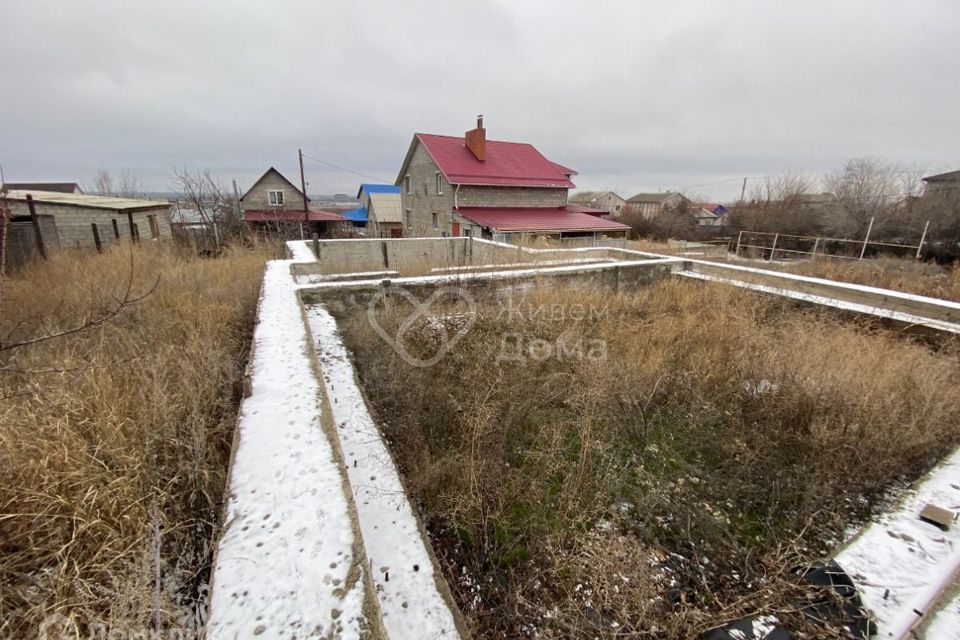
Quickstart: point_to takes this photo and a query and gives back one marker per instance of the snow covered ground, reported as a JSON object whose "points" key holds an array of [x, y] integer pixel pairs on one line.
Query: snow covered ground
{"points": [[901, 564], [286, 563], [410, 594]]}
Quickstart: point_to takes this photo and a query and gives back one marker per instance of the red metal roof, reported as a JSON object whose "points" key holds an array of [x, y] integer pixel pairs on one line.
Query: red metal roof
{"points": [[267, 215], [567, 171], [538, 219], [509, 164]]}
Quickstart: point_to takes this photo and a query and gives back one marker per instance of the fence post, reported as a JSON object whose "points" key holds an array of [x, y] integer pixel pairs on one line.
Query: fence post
{"points": [[866, 239], [922, 238], [116, 229], [736, 251], [96, 237], [37, 231], [316, 244], [773, 247], [816, 244], [136, 233]]}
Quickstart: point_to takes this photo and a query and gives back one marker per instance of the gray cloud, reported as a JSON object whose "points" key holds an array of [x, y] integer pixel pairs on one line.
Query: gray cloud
{"points": [[635, 95]]}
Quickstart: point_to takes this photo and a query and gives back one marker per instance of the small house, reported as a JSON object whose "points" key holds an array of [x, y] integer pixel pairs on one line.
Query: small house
{"points": [[274, 203]]}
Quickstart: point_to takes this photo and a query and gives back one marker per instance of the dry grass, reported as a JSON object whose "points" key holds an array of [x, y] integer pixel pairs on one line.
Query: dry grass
{"points": [[112, 466], [670, 486], [923, 278]]}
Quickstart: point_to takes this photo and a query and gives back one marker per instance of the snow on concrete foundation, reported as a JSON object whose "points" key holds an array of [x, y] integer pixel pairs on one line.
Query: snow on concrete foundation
{"points": [[946, 623], [880, 312], [300, 251], [411, 604], [285, 564], [901, 564]]}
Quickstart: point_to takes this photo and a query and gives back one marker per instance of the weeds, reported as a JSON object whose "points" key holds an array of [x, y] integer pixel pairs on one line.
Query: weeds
{"points": [[670, 486], [115, 440]]}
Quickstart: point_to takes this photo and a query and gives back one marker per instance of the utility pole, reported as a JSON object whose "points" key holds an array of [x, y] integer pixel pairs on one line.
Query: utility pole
{"points": [[37, 232], [236, 201], [303, 187], [743, 190]]}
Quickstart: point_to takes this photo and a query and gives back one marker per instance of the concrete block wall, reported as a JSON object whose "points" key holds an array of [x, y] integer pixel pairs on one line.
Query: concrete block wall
{"points": [[345, 256], [475, 196], [73, 222], [423, 200]]}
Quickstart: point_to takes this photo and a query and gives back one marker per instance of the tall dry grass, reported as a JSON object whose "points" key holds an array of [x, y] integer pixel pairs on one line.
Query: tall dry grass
{"points": [[669, 486], [910, 276], [114, 441]]}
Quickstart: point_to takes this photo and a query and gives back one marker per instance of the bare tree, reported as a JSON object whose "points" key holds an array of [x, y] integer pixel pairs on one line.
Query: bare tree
{"points": [[102, 183], [124, 185], [209, 202], [786, 203]]}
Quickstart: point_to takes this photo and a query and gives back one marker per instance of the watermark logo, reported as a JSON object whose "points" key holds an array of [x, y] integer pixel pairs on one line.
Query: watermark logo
{"points": [[516, 348], [57, 626], [448, 328]]}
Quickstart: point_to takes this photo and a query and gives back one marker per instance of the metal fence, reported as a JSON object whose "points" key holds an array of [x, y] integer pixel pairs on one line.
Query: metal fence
{"points": [[767, 245]]}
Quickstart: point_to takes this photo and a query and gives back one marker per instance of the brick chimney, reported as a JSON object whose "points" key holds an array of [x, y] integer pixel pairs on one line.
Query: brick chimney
{"points": [[476, 140]]}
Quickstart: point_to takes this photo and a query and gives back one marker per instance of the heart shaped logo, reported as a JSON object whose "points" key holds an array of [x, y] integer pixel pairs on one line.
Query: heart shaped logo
{"points": [[421, 310]]}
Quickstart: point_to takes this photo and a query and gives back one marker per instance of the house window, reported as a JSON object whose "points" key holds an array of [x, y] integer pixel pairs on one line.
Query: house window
{"points": [[408, 214], [439, 184], [436, 220], [406, 184], [154, 228], [275, 197]]}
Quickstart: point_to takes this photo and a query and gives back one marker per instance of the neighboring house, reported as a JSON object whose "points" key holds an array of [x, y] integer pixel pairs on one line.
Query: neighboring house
{"points": [[74, 213], [273, 201], [652, 204], [382, 205], [942, 184], [710, 215], [470, 186], [606, 200], [55, 187]]}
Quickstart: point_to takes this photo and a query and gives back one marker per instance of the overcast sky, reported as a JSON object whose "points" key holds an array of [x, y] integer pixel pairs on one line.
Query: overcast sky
{"points": [[634, 95]]}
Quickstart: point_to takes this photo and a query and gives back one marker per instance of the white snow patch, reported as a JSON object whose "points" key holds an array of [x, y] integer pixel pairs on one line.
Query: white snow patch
{"points": [[513, 265], [282, 563], [353, 275], [946, 624], [402, 569], [880, 312], [911, 558], [501, 275], [300, 251]]}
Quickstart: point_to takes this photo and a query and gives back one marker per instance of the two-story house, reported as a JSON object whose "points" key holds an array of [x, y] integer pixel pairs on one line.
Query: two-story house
{"points": [[607, 201], [273, 200], [468, 185], [650, 205]]}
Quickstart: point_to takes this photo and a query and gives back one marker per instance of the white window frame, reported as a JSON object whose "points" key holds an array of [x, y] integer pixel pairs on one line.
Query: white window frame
{"points": [[406, 183], [275, 197], [439, 185]]}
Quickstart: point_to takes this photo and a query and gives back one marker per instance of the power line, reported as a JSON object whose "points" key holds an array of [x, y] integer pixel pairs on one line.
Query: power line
{"points": [[338, 167]]}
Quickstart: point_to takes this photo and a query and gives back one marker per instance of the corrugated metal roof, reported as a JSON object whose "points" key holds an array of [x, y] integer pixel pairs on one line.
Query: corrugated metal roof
{"points": [[538, 219], [652, 197], [369, 187], [59, 187], [385, 207], [513, 164], [950, 176], [286, 215], [83, 200], [356, 215]]}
